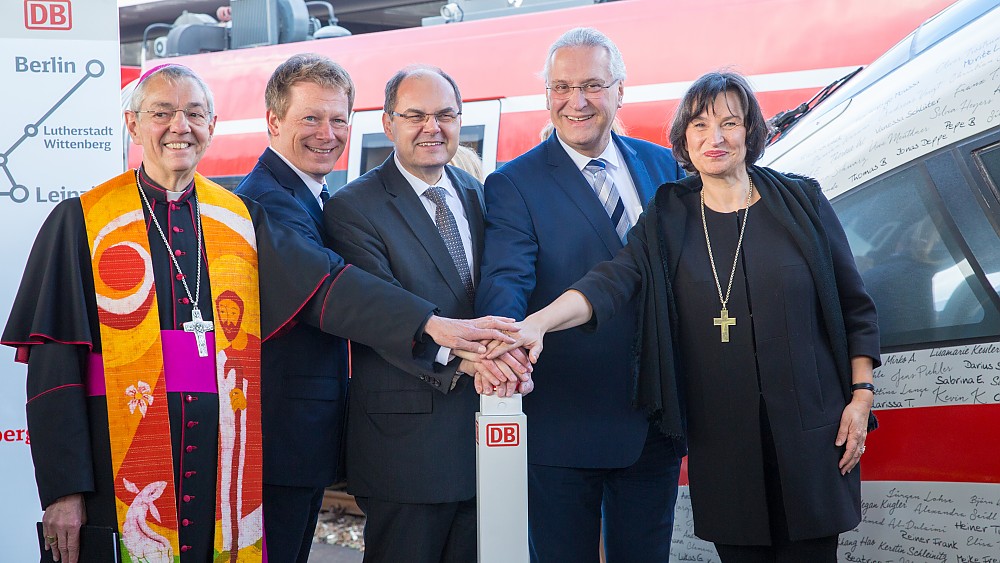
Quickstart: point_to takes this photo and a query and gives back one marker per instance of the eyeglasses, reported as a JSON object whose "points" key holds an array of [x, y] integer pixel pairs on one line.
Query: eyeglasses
{"points": [[165, 116], [590, 89], [419, 118]]}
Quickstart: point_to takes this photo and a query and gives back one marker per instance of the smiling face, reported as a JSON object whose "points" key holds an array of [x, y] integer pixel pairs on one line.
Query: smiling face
{"points": [[171, 151], [583, 122], [313, 132], [424, 149], [716, 139]]}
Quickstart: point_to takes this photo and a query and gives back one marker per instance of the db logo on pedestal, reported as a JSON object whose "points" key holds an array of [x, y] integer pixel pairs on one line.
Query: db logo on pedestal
{"points": [[48, 14], [502, 435]]}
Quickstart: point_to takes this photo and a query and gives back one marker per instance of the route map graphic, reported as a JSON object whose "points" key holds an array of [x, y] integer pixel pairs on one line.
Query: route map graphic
{"points": [[18, 193]]}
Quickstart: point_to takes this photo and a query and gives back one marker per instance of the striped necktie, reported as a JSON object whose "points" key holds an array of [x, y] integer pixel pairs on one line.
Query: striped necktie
{"points": [[448, 228], [604, 187]]}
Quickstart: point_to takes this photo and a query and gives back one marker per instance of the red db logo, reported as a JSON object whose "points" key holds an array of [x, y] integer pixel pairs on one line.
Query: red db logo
{"points": [[502, 435], [48, 14]]}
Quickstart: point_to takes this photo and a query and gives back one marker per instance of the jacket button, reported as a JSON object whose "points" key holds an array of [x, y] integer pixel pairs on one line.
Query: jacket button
{"points": [[185, 547], [178, 230], [189, 474], [190, 449], [179, 277], [188, 498], [185, 522], [192, 423]]}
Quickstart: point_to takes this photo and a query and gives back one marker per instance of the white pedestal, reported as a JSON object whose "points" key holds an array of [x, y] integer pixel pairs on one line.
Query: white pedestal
{"points": [[502, 480]]}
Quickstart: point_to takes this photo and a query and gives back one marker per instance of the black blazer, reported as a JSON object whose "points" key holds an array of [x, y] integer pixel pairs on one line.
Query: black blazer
{"points": [[304, 371], [410, 438]]}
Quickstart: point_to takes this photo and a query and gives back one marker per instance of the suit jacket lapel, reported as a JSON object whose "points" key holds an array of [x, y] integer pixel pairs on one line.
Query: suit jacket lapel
{"points": [[640, 175], [415, 215], [570, 180], [294, 184]]}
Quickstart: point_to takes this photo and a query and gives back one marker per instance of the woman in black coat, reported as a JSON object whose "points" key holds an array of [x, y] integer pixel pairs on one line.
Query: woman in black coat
{"points": [[757, 338]]}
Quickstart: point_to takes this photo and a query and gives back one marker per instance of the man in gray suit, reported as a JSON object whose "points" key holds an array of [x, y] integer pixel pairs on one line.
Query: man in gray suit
{"points": [[416, 222]]}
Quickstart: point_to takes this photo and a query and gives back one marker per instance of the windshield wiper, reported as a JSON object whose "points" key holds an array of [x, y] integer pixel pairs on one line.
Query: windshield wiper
{"points": [[785, 119]]}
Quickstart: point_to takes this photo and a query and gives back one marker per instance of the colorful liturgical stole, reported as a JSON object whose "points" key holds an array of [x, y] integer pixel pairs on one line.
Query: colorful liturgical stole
{"points": [[135, 381]]}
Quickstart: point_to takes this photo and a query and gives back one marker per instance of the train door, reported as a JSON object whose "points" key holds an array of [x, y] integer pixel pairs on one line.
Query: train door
{"points": [[369, 145]]}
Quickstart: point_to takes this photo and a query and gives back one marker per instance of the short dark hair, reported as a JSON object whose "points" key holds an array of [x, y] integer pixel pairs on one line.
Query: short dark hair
{"points": [[305, 67], [700, 96], [392, 86]]}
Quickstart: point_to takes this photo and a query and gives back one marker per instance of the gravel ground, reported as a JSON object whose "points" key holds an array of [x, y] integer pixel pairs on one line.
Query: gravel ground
{"points": [[338, 528]]}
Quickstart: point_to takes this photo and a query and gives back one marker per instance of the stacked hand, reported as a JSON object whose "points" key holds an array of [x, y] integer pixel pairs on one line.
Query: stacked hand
{"points": [[504, 374]]}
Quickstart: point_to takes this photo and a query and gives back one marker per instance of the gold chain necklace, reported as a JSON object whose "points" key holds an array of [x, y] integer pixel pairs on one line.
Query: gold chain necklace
{"points": [[724, 321]]}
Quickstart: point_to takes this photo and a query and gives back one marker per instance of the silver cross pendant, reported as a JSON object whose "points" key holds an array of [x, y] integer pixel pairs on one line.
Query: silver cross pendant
{"points": [[199, 327]]}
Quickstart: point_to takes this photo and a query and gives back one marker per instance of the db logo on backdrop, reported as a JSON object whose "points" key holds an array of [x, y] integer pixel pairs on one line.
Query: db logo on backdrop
{"points": [[502, 435], [48, 14]]}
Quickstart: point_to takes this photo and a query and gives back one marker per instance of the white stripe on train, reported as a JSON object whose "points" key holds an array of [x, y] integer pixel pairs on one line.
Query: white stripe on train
{"points": [[772, 82]]}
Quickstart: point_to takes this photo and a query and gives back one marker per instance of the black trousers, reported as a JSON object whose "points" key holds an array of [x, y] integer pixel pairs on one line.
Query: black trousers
{"points": [[290, 515], [782, 549], [419, 533]]}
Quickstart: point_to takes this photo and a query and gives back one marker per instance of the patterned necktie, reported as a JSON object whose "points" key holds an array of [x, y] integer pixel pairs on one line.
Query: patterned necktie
{"points": [[324, 195], [452, 238], [604, 187]]}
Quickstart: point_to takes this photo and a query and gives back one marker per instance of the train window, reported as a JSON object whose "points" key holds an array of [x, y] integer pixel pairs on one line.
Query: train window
{"points": [[988, 160], [915, 264], [375, 148]]}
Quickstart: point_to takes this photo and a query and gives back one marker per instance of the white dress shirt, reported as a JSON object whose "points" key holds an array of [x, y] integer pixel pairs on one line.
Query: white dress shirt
{"points": [[314, 186], [617, 171], [419, 186]]}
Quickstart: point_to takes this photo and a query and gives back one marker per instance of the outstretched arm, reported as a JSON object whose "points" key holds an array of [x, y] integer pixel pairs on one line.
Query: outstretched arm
{"points": [[569, 310]]}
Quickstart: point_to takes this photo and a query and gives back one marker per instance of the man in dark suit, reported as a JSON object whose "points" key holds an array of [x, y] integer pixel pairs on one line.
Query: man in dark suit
{"points": [[304, 371], [304, 384], [417, 222], [552, 214]]}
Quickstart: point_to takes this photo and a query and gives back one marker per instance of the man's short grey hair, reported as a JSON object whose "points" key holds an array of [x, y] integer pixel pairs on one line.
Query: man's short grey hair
{"points": [[588, 37], [172, 73]]}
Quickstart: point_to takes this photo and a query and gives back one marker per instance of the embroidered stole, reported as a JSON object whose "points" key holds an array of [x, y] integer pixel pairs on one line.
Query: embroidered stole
{"points": [[141, 456]]}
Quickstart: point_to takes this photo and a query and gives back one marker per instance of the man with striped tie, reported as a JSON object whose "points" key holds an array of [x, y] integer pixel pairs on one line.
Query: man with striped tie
{"points": [[551, 215]]}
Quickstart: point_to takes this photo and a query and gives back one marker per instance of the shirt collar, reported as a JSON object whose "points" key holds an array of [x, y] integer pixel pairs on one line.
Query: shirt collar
{"points": [[158, 193], [610, 155], [310, 182], [421, 186]]}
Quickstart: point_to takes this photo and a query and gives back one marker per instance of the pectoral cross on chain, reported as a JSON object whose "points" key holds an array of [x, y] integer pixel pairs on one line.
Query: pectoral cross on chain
{"points": [[199, 327], [723, 321]]}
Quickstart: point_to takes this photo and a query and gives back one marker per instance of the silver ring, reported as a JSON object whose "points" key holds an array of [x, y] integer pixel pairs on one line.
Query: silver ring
{"points": [[862, 448]]}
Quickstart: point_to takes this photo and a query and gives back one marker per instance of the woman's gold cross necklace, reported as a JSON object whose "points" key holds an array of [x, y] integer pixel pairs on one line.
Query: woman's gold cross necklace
{"points": [[724, 321]]}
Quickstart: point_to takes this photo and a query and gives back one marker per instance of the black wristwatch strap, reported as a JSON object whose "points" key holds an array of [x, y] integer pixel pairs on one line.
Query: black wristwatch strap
{"points": [[867, 386]]}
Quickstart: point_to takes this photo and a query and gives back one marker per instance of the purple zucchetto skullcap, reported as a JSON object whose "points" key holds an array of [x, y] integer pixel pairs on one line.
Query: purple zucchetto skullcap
{"points": [[156, 68]]}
